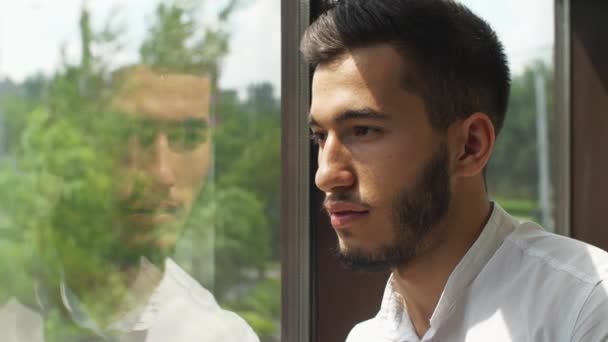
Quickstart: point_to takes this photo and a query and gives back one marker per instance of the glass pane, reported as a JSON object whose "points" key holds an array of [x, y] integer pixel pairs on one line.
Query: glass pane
{"points": [[521, 173], [139, 170]]}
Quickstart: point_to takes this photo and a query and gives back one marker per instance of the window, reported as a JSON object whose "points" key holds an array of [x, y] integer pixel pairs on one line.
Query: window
{"points": [[522, 171], [140, 169]]}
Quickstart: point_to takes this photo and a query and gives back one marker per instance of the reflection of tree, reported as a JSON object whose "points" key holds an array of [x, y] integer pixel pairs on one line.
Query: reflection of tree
{"points": [[244, 204], [55, 193], [173, 42], [247, 152], [248, 141]]}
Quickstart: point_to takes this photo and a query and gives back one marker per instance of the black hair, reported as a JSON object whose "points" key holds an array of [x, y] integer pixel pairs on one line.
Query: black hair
{"points": [[454, 59]]}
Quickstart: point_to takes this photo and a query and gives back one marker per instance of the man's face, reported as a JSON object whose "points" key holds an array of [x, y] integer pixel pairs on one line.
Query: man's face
{"points": [[168, 154], [382, 166]]}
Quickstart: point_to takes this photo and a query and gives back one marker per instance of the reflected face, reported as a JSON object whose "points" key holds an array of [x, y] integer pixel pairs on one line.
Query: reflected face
{"points": [[169, 153], [382, 166]]}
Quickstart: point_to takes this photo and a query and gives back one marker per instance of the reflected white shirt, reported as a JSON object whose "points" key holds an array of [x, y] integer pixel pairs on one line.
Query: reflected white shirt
{"points": [[181, 310], [516, 283], [178, 310]]}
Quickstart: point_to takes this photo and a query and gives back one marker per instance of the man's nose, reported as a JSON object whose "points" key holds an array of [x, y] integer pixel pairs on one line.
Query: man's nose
{"points": [[335, 168], [161, 163]]}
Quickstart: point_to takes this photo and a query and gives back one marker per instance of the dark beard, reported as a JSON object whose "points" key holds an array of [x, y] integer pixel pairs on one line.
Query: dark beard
{"points": [[415, 213]]}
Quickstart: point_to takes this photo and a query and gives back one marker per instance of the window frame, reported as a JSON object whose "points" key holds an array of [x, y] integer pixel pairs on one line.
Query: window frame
{"points": [[295, 178], [562, 96]]}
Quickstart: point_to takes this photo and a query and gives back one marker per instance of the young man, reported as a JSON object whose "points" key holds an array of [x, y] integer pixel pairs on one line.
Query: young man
{"points": [[408, 97]]}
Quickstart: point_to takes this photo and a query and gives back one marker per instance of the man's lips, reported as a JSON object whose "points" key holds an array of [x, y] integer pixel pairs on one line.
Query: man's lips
{"points": [[154, 210], [154, 214], [344, 214], [150, 208]]}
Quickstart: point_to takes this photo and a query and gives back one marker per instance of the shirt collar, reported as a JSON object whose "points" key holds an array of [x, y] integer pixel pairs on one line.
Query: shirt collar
{"points": [[175, 283], [151, 290], [393, 318], [499, 225]]}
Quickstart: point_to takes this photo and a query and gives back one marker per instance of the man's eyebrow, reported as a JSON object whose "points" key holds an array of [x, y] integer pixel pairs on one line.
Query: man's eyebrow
{"points": [[353, 114], [364, 113]]}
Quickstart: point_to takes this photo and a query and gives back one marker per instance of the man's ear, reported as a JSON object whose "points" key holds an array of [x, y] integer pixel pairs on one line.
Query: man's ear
{"points": [[473, 140]]}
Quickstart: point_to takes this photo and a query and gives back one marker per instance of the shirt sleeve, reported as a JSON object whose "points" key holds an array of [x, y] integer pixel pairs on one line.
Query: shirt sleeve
{"points": [[592, 322]]}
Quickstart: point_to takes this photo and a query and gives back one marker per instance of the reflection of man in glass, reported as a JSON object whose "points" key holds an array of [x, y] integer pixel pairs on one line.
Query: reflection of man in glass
{"points": [[168, 153], [111, 277]]}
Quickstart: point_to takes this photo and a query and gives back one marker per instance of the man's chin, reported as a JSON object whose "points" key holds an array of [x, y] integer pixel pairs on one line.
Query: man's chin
{"points": [[152, 234], [371, 259]]}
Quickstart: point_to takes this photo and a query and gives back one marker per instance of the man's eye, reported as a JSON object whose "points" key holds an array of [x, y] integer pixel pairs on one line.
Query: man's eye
{"points": [[187, 138], [362, 131], [317, 137], [195, 136], [146, 135]]}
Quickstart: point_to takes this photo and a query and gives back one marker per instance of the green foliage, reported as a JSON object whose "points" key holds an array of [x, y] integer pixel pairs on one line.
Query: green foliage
{"points": [[513, 169], [174, 45], [15, 104], [261, 308], [521, 208], [243, 207], [59, 184], [245, 172], [518, 205], [242, 240], [247, 141]]}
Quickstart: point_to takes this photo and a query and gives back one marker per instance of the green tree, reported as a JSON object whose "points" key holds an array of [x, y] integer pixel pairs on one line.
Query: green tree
{"points": [[174, 45], [56, 189], [67, 146], [247, 141], [513, 169]]}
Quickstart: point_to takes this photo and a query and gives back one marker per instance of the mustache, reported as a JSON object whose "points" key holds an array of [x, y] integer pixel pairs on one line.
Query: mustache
{"points": [[348, 197]]}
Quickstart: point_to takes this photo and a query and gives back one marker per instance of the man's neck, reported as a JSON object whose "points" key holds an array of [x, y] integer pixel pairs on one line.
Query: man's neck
{"points": [[421, 282]]}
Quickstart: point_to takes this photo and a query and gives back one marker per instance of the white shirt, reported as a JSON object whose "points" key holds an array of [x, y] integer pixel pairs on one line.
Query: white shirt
{"points": [[516, 283], [181, 310], [178, 310]]}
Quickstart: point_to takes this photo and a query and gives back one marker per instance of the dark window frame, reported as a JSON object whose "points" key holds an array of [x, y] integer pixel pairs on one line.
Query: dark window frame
{"points": [[563, 127], [295, 177]]}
